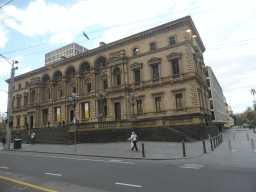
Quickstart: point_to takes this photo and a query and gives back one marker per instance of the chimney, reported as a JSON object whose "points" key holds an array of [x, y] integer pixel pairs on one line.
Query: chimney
{"points": [[102, 44]]}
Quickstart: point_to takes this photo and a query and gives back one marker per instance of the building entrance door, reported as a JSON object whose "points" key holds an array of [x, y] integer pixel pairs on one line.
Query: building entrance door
{"points": [[31, 122], [71, 115], [118, 111], [45, 116]]}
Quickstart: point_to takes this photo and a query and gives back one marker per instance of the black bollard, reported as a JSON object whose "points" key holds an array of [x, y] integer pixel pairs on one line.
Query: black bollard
{"points": [[204, 146], [143, 150], [183, 146], [211, 145], [216, 138], [221, 138], [214, 143]]}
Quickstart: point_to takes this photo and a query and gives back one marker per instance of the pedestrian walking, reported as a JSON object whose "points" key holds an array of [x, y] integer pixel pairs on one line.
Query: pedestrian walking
{"points": [[28, 136], [32, 139], [48, 124], [63, 123], [134, 139], [4, 141]]}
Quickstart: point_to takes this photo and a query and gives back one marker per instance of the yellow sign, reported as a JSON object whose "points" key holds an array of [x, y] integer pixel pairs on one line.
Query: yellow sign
{"points": [[58, 114], [86, 110]]}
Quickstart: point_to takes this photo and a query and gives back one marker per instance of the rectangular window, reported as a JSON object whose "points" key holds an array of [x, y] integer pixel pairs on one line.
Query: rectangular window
{"points": [[105, 110], [139, 106], [105, 83], [155, 72], [85, 110], [18, 102], [25, 100], [208, 82], [158, 103], [172, 40], [213, 116], [210, 94], [19, 86], [179, 100], [137, 76], [18, 122], [118, 79], [135, 51], [153, 46], [175, 67], [89, 87]]}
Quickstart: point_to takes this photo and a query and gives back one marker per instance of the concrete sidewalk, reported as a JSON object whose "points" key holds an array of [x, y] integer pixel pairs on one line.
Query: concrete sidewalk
{"points": [[156, 150]]}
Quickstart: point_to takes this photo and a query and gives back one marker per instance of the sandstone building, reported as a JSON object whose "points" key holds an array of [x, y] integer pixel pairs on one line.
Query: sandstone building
{"points": [[164, 66]]}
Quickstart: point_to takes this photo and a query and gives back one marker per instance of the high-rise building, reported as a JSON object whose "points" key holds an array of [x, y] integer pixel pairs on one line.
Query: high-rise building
{"points": [[66, 51]]}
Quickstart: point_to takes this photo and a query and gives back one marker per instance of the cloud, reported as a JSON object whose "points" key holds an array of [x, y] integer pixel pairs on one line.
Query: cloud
{"points": [[3, 101], [62, 37], [3, 37]]}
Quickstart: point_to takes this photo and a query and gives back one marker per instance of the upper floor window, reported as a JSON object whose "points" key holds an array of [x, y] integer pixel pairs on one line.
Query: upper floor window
{"points": [[135, 51], [25, 100], [118, 79], [89, 87], [208, 82], [155, 72], [105, 83], [175, 67], [179, 100], [19, 86], [172, 40], [139, 106], [137, 76], [158, 103], [153, 46]]}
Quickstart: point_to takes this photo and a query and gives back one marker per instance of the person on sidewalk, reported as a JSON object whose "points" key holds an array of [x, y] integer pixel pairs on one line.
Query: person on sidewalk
{"points": [[4, 141], [28, 136], [63, 123], [48, 124], [134, 139], [33, 136]]}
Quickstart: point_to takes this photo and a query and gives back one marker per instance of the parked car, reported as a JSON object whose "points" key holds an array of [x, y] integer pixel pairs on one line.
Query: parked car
{"points": [[246, 125]]}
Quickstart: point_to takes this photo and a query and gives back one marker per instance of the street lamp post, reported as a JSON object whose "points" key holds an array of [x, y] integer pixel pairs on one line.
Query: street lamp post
{"points": [[74, 100], [134, 100], [9, 109], [101, 96]]}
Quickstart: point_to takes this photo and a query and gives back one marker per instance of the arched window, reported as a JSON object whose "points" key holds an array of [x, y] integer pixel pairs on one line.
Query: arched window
{"points": [[153, 46], [100, 62], [117, 76]]}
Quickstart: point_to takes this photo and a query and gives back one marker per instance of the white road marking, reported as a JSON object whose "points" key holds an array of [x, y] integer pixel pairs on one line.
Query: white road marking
{"points": [[4, 167], [128, 184], [53, 174], [192, 166], [233, 150], [109, 161]]}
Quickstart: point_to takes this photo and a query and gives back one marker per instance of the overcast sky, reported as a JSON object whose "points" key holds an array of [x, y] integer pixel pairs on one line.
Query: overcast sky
{"points": [[29, 29]]}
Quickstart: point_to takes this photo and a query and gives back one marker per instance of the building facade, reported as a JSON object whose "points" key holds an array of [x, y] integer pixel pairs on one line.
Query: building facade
{"points": [[64, 52], [217, 101], [164, 66]]}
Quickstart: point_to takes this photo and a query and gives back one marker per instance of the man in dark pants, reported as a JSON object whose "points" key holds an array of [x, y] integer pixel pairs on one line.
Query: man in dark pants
{"points": [[134, 139], [28, 137]]}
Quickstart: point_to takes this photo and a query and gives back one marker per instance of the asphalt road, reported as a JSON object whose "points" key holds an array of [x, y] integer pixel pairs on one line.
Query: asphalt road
{"points": [[74, 173]]}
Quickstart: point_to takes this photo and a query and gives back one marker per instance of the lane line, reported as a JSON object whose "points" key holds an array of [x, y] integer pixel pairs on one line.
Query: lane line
{"points": [[53, 174], [130, 185], [109, 161], [28, 184], [4, 167]]}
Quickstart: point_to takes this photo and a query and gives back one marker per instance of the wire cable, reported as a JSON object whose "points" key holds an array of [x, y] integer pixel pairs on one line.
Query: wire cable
{"points": [[92, 32]]}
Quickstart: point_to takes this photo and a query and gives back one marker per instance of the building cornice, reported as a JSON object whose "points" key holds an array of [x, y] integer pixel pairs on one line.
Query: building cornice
{"points": [[119, 43]]}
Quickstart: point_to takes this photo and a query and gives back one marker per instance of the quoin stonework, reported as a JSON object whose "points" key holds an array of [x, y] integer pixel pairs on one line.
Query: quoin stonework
{"points": [[164, 66]]}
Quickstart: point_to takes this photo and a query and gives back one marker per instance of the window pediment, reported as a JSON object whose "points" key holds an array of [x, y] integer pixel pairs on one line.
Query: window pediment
{"points": [[154, 60], [102, 76], [136, 66], [18, 96], [87, 80], [173, 56], [25, 94]]}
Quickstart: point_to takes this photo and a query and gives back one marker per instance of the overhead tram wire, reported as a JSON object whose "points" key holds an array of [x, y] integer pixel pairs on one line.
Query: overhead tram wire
{"points": [[6, 4], [130, 24]]}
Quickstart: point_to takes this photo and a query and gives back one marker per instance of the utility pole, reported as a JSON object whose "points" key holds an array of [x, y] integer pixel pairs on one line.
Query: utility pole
{"points": [[9, 109]]}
